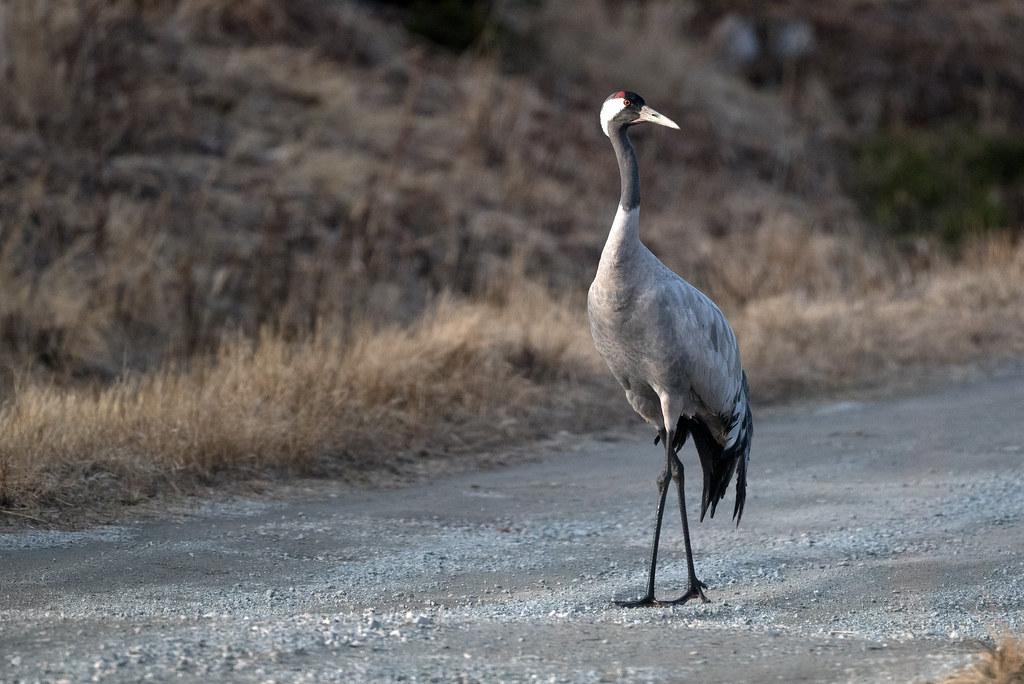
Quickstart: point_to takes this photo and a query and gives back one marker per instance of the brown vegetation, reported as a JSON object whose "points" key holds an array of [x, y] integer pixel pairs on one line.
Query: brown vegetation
{"points": [[962, 313], [463, 377], [1000, 664], [248, 234]]}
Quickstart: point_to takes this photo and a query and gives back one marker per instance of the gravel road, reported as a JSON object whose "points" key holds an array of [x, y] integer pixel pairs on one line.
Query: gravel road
{"points": [[881, 538]]}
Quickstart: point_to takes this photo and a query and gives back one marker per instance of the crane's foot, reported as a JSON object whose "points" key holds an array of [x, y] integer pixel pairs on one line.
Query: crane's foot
{"points": [[641, 602], [696, 591]]}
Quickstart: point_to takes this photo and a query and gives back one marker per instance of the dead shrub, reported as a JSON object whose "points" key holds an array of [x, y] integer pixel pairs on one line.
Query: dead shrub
{"points": [[1002, 663]]}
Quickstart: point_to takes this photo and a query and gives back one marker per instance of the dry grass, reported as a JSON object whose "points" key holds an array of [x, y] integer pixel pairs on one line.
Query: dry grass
{"points": [[1000, 664], [956, 314], [464, 376]]}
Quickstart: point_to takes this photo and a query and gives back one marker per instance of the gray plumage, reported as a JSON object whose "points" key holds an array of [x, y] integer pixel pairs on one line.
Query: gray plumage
{"points": [[667, 343]]}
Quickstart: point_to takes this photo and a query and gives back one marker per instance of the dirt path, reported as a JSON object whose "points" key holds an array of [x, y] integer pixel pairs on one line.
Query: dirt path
{"points": [[880, 538]]}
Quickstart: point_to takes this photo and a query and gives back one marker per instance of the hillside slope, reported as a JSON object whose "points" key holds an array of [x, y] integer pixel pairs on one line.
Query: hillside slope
{"points": [[250, 236]]}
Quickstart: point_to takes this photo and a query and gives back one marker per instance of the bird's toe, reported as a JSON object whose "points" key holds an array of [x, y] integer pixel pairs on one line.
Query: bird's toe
{"points": [[636, 603], [696, 591]]}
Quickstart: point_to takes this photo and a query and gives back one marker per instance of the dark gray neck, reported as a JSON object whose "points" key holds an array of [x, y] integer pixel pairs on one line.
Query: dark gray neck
{"points": [[629, 172]]}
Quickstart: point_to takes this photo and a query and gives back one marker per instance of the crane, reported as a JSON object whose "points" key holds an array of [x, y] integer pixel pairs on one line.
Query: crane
{"points": [[670, 348]]}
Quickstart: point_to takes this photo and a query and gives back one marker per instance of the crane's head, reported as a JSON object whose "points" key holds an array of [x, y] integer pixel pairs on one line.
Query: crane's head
{"points": [[624, 108]]}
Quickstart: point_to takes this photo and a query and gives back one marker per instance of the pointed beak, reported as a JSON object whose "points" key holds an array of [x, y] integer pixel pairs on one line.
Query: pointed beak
{"points": [[648, 114]]}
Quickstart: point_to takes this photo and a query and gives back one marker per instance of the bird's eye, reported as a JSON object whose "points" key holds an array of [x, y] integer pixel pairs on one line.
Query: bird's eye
{"points": [[626, 103]]}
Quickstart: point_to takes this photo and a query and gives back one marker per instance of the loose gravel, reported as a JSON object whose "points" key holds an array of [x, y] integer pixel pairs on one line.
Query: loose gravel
{"points": [[882, 539]]}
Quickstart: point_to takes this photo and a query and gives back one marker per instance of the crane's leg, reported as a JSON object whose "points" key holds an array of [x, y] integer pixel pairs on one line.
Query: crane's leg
{"points": [[648, 598], [696, 586]]}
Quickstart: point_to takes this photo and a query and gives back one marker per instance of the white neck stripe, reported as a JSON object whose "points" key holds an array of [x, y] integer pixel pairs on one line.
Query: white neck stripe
{"points": [[609, 110]]}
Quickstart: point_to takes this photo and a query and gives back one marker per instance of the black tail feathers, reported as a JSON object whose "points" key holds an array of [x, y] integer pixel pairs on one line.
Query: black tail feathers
{"points": [[741, 486], [720, 462], [717, 468]]}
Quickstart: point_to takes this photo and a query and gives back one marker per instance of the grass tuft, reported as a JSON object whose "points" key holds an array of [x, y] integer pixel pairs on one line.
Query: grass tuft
{"points": [[999, 664]]}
